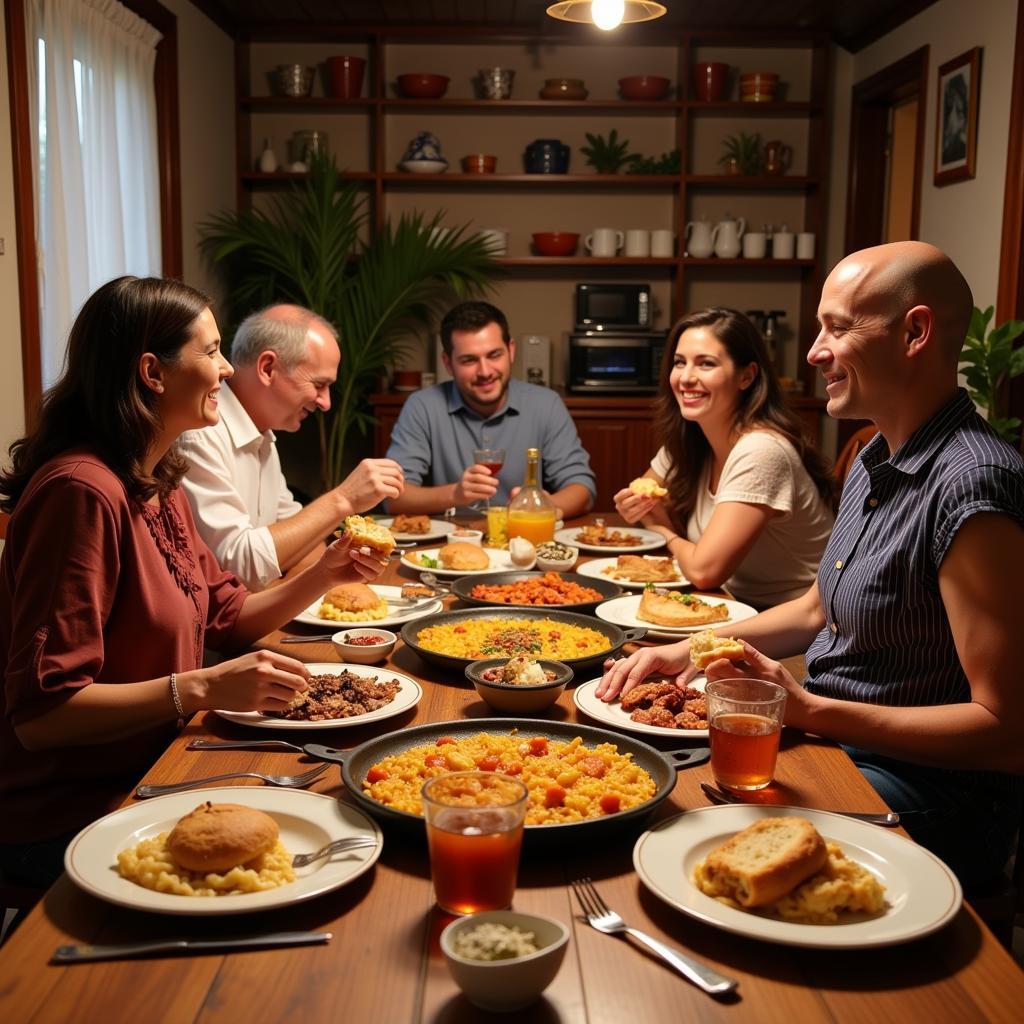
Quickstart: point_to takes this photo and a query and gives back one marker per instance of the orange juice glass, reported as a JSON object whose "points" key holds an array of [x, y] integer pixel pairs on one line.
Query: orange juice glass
{"points": [[474, 831], [536, 527], [744, 725]]}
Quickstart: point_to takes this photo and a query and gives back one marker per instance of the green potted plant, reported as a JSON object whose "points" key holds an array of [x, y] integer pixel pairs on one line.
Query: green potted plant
{"points": [[741, 154], [667, 163], [310, 248], [606, 156], [989, 362]]}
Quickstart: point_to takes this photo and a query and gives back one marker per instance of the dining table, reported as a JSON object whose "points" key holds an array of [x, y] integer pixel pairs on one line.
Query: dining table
{"points": [[383, 963]]}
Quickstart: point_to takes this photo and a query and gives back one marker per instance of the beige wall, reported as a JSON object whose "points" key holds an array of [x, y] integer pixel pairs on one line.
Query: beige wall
{"points": [[12, 408], [963, 219]]}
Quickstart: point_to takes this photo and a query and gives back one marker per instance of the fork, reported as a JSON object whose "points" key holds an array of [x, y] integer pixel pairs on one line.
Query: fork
{"points": [[723, 796], [601, 917], [301, 860], [288, 781]]}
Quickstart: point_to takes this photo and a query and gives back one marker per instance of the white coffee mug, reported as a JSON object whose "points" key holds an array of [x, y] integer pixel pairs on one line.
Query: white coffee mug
{"points": [[603, 242], [754, 245], [638, 242], [805, 245], [496, 240], [783, 243], [663, 243]]}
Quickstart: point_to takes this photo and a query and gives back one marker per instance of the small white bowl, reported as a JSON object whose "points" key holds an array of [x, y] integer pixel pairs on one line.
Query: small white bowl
{"points": [[467, 536], [502, 986], [364, 654], [424, 166], [558, 564]]}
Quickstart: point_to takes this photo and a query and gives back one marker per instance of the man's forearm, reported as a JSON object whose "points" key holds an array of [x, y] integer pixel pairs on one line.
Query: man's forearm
{"points": [[574, 500], [419, 500], [299, 534]]}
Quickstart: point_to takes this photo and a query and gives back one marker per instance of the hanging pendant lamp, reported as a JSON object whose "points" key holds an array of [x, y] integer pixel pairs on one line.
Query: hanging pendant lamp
{"points": [[606, 14]]}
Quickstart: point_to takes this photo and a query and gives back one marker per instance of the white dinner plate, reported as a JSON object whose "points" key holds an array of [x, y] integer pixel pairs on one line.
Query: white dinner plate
{"points": [[585, 698], [649, 541], [595, 568], [438, 528], [307, 821], [396, 615], [500, 562], [922, 894], [408, 696], [622, 611]]}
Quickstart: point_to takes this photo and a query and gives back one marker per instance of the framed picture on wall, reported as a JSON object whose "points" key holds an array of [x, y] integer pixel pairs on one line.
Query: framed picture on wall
{"points": [[956, 128]]}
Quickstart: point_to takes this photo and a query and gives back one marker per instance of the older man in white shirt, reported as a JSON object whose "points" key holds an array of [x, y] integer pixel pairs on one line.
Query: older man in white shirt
{"points": [[286, 359]]}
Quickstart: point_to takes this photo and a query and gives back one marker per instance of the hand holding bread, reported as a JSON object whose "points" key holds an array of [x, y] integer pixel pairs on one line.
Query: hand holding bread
{"points": [[632, 506]]}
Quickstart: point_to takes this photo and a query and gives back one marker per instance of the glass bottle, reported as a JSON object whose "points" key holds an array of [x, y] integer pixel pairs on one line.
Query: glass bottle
{"points": [[531, 513]]}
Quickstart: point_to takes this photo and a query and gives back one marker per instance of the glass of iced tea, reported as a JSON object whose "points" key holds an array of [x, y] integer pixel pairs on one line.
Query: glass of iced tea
{"points": [[745, 723], [474, 831], [497, 525]]}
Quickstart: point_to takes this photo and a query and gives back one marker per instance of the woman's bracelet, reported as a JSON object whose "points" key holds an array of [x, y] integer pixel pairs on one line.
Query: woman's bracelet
{"points": [[177, 701]]}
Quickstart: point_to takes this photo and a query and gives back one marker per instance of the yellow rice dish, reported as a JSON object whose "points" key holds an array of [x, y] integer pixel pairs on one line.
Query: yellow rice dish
{"points": [[488, 638], [567, 781], [842, 886], [150, 865], [328, 611]]}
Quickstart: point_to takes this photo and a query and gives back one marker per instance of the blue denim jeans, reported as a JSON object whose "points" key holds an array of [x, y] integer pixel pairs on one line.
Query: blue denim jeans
{"points": [[968, 820]]}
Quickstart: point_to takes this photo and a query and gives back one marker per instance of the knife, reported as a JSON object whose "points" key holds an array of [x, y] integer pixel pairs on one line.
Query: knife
{"points": [[86, 953]]}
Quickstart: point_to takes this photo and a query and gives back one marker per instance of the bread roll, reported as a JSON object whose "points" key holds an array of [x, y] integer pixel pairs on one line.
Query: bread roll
{"points": [[679, 610], [705, 648], [354, 597], [365, 533], [647, 487], [218, 837], [460, 555], [763, 862]]}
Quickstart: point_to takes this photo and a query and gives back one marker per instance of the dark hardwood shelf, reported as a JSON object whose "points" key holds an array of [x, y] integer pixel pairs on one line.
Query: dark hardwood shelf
{"points": [[767, 263], [598, 181], [739, 108], [293, 104], [756, 183], [275, 179], [588, 261]]}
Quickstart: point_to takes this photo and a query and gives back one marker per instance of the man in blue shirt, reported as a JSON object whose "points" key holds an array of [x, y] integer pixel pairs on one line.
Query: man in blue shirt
{"points": [[482, 407], [912, 628]]}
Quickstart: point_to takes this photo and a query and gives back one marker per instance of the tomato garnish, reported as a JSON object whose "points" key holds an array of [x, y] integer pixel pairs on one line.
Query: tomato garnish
{"points": [[610, 803], [376, 774], [554, 796], [435, 760], [538, 745], [488, 763], [442, 740]]}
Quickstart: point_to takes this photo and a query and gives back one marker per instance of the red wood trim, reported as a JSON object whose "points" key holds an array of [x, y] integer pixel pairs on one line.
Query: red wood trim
{"points": [[1010, 296], [24, 209], [165, 81]]}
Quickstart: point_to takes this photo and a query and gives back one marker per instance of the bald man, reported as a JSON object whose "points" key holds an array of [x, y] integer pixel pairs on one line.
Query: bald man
{"points": [[286, 359], [914, 621]]}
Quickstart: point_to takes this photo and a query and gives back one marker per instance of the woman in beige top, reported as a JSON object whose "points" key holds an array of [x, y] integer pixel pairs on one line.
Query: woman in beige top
{"points": [[749, 503]]}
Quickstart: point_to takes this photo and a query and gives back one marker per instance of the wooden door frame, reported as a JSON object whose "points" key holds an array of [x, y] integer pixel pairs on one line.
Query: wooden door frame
{"points": [[871, 100], [165, 77], [1010, 294]]}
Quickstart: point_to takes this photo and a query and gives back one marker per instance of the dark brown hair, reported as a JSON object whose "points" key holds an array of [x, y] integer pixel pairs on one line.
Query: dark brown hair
{"points": [[99, 402], [760, 406], [472, 316]]}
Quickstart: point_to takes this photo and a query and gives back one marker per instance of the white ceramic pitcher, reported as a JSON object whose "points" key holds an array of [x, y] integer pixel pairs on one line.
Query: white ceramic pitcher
{"points": [[699, 239], [726, 237]]}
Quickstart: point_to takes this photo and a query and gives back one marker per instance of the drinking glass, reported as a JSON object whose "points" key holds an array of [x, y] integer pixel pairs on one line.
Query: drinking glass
{"points": [[745, 723], [474, 832], [493, 459]]}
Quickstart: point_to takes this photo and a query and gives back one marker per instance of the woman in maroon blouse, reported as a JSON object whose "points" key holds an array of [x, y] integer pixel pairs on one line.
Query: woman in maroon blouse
{"points": [[107, 594]]}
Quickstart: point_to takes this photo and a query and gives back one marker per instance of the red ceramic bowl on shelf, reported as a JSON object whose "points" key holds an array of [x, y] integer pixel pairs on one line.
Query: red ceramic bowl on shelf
{"points": [[643, 87], [479, 163], [758, 86], [422, 86], [555, 243]]}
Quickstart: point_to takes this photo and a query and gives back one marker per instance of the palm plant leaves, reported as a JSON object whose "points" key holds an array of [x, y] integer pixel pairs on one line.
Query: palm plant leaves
{"points": [[308, 247], [988, 361]]}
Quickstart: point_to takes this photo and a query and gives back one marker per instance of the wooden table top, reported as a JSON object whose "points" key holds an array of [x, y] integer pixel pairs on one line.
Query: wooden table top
{"points": [[384, 965]]}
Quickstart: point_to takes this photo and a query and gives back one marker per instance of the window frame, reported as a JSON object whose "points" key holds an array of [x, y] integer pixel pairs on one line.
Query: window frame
{"points": [[165, 79]]}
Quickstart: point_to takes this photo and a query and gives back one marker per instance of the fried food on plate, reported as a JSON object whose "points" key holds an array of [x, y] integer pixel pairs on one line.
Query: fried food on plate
{"points": [[410, 524], [678, 610], [639, 569], [599, 534]]}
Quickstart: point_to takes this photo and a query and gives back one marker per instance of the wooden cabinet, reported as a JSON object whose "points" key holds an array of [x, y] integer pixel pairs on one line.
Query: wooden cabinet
{"points": [[616, 432], [368, 135]]}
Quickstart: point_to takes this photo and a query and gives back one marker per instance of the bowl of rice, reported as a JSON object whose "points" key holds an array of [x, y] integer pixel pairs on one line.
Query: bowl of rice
{"points": [[520, 684], [503, 959]]}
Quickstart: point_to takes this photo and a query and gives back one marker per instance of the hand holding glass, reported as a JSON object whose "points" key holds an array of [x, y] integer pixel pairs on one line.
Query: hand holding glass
{"points": [[745, 723], [492, 459], [474, 832]]}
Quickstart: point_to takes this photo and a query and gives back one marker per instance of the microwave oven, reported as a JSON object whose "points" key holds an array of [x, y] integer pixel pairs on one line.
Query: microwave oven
{"points": [[613, 307], [606, 363]]}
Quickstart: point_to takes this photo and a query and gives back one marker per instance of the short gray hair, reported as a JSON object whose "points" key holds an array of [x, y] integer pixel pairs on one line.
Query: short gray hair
{"points": [[285, 335]]}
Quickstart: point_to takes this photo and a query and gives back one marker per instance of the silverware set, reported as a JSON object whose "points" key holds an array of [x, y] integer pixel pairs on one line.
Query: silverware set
{"points": [[722, 796], [287, 781]]}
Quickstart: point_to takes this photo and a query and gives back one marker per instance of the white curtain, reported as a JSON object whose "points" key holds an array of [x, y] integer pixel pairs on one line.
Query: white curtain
{"points": [[94, 153]]}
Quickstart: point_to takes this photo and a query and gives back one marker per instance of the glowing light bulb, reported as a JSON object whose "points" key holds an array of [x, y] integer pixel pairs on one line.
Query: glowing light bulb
{"points": [[607, 14]]}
